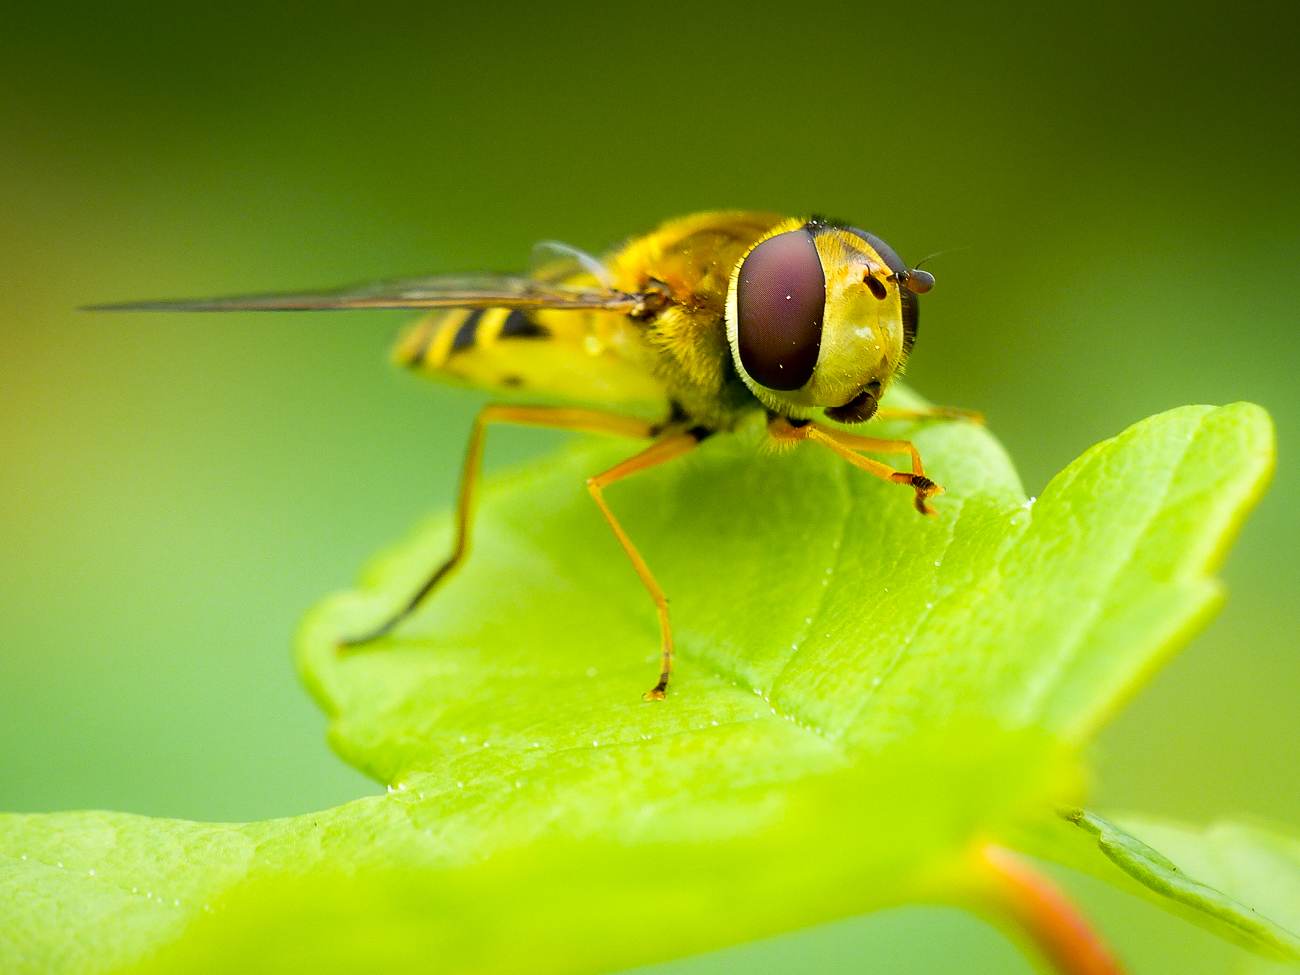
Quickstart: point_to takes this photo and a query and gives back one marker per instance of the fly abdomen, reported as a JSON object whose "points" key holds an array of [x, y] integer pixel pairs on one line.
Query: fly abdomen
{"points": [[441, 336]]}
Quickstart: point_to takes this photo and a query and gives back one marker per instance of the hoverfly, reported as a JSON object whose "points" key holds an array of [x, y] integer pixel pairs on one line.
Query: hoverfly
{"points": [[713, 317]]}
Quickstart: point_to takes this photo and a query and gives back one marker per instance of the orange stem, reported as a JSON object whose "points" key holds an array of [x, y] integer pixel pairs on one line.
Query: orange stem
{"points": [[1042, 914]]}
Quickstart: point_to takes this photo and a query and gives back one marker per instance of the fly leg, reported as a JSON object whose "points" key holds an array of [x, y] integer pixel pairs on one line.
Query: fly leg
{"points": [[847, 446], [930, 413], [554, 417], [671, 446]]}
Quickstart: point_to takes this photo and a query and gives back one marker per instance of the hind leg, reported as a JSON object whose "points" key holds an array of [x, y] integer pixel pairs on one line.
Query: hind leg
{"points": [[553, 417]]}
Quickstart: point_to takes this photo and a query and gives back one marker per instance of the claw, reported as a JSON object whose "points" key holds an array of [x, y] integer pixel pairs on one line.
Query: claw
{"points": [[925, 489]]}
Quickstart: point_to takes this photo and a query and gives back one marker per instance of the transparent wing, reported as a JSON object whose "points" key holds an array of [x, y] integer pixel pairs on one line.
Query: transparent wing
{"points": [[554, 261], [477, 291]]}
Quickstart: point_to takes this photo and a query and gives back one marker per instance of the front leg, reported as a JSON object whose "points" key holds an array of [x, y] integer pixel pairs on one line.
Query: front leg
{"points": [[784, 430], [930, 413]]}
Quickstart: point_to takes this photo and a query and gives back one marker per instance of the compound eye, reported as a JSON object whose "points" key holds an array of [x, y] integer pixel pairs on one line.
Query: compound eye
{"points": [[780, 302]]}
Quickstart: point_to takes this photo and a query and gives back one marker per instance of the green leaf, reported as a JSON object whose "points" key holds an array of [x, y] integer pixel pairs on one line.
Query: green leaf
{"points": [[1248, 876], [1238, 880], [861, 694]]}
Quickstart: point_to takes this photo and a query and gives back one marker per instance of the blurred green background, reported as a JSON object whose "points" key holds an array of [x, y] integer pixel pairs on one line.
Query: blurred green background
{"points": [[175, 492]]}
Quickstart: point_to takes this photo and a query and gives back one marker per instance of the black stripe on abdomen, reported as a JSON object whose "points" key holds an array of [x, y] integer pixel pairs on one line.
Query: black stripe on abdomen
{"points": [[519, 326], [465, 334]]}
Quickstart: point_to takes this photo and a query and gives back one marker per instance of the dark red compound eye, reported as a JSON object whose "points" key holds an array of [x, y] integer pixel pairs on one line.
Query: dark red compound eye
{"points": [[780, 302]]}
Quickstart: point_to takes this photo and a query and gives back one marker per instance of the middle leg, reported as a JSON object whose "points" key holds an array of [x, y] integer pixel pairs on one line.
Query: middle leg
{"points": [[662, 451]]}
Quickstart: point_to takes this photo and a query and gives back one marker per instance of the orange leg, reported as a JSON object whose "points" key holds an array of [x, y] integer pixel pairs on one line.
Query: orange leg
{"points": [[555, 417], [671, 446], [847, 445], [931, 413]]}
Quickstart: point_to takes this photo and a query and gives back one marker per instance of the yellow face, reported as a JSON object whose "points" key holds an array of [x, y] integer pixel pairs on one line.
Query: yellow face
{"points": [[821, 317]]}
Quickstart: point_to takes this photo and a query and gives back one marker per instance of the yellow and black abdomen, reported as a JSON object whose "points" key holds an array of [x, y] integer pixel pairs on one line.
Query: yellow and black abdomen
{"points": [[437, 337], [565, 355]]}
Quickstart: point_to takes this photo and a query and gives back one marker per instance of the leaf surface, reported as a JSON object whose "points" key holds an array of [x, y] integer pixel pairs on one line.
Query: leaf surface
{"points": [[1239, 880], [860, 695]]}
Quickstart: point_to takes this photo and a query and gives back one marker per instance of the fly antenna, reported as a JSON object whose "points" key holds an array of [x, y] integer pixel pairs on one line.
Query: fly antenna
{"points": [[950, 250]]}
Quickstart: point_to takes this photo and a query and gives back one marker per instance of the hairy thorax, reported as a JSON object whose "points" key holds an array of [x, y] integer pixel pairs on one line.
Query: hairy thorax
{"points": [[684, 343]]}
